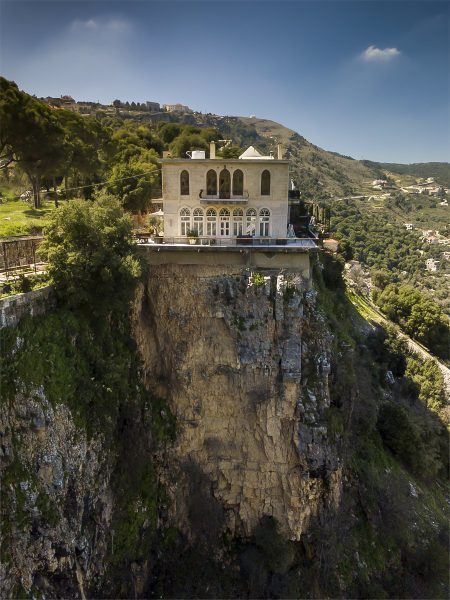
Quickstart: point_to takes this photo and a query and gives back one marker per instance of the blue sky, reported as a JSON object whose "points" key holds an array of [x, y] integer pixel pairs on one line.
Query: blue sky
{"points": [[368, 79]]}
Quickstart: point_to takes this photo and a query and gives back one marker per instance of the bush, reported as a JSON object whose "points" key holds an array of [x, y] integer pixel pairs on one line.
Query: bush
{"points": [[91, 254]]}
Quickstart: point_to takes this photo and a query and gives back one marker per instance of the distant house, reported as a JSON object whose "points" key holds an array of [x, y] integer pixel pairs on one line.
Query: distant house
{"points": [[409, 226], [379, 184], [177, 108]]}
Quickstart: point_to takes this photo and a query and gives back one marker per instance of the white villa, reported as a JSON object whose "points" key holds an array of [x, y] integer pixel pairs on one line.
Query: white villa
{"points": [[226, 198]]}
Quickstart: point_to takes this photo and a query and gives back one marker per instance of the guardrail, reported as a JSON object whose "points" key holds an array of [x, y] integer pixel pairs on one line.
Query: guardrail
{"points": [[224, 198], [19, 252], [144, 238]]}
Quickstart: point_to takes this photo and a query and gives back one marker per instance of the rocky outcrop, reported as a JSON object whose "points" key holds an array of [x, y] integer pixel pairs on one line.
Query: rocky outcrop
{"points": [[56, 503], [243, 361]]}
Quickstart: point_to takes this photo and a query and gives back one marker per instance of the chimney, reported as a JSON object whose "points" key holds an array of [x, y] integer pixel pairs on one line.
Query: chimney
{"points": [[212, 149], [279, 152]]}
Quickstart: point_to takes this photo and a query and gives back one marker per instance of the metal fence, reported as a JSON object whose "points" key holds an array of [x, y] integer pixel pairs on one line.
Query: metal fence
{"points": [[16, 253]]}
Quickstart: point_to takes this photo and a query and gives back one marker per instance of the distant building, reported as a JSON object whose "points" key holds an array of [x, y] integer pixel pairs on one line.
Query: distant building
{"points": [[379, 184], [177, 108], [431, 264], [409, 226], [153, 106]]}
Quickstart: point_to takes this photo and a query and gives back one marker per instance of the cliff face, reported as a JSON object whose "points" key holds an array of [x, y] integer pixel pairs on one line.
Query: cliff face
{"points": [[56, 499], [243, 362]]}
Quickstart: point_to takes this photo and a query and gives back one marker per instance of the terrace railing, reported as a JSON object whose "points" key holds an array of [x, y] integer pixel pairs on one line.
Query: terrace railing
{"points": [[143, 238]]}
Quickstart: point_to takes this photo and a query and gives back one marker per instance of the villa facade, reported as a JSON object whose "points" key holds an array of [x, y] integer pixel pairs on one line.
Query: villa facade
{"points": [[226, 198]]}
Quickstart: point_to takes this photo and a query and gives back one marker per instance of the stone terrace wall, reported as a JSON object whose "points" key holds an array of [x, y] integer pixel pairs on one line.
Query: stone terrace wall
{"points": [[13, 308]]}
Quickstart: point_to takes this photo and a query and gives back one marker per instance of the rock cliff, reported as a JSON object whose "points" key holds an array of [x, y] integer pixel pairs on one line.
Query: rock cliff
{"points": [[243, 361]]}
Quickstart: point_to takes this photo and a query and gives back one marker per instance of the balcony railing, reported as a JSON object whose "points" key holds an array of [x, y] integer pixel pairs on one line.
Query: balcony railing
{"points": [[223, 198], [307, 242]]}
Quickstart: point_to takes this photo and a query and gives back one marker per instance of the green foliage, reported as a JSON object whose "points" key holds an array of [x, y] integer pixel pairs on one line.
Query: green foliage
{"points": [[230, 152], [333, 267], [389, 350], [380, 278], [133, 181], [186, 142], [30, 134], [91, 255], [257, 279], [418, 315], [429, 380], [346, 250]]}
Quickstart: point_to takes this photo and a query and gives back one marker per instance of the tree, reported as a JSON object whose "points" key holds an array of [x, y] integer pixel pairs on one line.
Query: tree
{"points": [[381, 278], [230, 152], [132, 181], [30, 135], [85, 147], [91, 255], [186, 142]]}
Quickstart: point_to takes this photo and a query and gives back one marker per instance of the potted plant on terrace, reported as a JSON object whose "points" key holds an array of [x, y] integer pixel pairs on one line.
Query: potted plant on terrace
{"points": [[192, 236]]}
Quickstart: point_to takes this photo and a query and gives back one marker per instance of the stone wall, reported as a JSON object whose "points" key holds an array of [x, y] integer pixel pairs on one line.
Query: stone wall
{"points": [[13, 308]]}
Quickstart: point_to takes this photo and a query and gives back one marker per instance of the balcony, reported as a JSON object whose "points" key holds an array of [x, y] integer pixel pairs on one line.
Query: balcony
{"points": [[223, 198], [227, 241]]}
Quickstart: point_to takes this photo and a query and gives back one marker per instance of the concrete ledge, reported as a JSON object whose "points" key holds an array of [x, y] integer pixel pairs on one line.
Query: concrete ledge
{"points": [[263, 257]]}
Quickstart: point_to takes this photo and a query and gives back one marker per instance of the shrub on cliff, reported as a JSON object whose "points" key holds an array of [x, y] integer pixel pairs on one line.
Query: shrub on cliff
{"points": [[91, 255]]}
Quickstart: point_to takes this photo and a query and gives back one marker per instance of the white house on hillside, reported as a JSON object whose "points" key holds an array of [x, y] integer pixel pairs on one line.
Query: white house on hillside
{"points": [[226, 198]]}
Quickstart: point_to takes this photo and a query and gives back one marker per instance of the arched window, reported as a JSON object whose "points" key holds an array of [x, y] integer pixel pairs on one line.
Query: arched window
{"points": [[184, 183], [224, 221], [265, 183], [224, 184], [198, 221], [211, 222], [250, 222], [185, 221], [211, 183], [264, 222], [238, 183], [238, 221]]}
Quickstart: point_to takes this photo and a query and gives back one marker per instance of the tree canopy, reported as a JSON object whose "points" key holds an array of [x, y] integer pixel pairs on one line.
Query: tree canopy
{"points": [[91, 254]]}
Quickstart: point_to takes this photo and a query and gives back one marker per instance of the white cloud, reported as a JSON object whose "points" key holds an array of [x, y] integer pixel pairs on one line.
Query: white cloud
{"points": [[374, 54], [78, 25], [95, 25]]}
